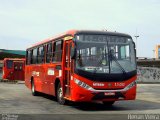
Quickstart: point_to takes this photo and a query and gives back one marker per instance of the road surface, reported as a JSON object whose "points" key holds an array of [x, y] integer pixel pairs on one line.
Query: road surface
{"points": [[17, 99]]}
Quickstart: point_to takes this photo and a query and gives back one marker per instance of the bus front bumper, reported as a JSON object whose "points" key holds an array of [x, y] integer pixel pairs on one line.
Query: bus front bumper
{"points": [[79, 94]]}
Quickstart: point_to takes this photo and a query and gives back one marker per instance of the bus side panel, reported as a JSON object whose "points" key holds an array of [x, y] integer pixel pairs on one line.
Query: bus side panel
{"points": [[7, 74], [44, 77], [36, 77], [40, 79], [31, 74], [4, 73], [3, 70], [51, 74], [28, 76], [50, 77]]}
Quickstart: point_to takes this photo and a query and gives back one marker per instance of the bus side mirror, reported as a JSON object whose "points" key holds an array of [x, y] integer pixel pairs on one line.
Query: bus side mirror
{"points": [[73, 53]]}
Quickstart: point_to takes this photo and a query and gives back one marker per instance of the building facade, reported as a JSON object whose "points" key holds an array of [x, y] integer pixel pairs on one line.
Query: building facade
{"points": [[157, 52]]}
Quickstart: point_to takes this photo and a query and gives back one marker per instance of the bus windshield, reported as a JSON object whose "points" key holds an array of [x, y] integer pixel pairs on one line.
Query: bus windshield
{"points": [[9, 64], [105, 54]]}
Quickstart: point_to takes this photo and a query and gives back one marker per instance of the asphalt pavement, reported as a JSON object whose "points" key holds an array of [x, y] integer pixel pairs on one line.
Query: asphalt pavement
{"points": [[17, 99]]}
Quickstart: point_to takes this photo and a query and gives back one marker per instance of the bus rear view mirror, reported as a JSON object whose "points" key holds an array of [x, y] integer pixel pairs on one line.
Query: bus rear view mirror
{"points": [[73, 53]]}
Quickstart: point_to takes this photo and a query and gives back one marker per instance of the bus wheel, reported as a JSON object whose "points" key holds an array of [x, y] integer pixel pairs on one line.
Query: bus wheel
{"points": [[34, 93], [108, 103], [60, 98]]}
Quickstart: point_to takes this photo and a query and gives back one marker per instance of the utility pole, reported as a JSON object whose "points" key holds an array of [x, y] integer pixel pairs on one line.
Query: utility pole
{"points": [[136, 36]]}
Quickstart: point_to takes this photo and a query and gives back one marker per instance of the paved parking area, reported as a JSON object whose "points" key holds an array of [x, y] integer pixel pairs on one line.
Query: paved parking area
{"points": [[17, 99]]}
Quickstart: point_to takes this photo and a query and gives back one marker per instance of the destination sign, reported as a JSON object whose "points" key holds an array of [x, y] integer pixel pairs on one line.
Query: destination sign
{"points": [[103, 38]]}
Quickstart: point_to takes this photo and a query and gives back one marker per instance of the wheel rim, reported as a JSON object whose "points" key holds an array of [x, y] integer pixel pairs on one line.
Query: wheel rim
{"points": [[60, 94], [32, 87]]}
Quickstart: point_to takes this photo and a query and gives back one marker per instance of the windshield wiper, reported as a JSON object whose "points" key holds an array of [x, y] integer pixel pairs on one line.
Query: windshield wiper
{"points": [[112, 57]]}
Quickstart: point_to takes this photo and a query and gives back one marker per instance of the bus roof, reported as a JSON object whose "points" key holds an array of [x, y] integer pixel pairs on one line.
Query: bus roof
{"points": [[16, 59], [73, 32]]}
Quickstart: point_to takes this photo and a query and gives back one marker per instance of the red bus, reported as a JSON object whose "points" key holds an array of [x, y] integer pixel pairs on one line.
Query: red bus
{"points": [[13, 69], [83, 66]]}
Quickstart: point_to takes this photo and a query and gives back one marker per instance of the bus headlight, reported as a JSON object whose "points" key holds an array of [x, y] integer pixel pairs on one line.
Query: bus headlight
{"points": [[82, 84], [131, 85]]}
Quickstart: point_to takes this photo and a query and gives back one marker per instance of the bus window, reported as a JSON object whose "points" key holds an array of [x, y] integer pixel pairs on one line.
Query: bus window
{"points": [[57, 53], [34, 56], [9, 64], [28, 60], [49, 53], [125, 52], [40, 55]]}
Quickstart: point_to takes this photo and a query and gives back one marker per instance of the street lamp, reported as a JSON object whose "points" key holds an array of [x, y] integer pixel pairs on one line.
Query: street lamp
{"points": [[136, 36]]}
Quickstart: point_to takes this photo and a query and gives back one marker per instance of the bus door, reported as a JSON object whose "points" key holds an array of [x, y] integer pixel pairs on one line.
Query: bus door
{"points": [[67, 69], [18, 71]]}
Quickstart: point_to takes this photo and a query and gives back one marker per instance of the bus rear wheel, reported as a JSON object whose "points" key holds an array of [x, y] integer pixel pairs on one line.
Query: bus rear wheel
{"points": [[60, 97], [108, 103], [34, 92]]}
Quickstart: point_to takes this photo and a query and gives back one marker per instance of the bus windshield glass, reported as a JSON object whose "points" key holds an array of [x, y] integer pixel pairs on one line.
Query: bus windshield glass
{"points": [[105, 54], [9, 64]]}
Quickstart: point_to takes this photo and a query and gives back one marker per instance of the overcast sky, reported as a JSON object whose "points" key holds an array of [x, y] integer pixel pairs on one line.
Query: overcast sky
{"points": [[24, 22]]}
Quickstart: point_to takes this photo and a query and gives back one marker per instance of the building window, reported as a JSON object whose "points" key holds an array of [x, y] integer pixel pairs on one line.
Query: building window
{"points": [[57, 51]]}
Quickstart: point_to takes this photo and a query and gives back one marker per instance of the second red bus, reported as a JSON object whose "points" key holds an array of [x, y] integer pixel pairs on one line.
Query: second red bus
{"points": [[13, 69]]}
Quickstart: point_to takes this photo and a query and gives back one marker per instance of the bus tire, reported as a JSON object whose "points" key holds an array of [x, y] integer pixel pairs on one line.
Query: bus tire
{"points": [[108, 103], [34, 92], [59, 94]]}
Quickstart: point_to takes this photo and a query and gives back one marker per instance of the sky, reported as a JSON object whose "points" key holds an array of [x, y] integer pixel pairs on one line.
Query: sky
{"points": [[25, 22]]}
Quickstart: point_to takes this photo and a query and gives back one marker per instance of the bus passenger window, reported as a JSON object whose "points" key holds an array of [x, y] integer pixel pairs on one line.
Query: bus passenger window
{"points": [[40, 55], [34, 56], [49, 53], [57, 53], [28, 56]]}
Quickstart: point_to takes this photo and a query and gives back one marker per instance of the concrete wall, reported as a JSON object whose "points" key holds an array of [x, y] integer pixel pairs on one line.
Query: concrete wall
{"points": [[148, 74]]}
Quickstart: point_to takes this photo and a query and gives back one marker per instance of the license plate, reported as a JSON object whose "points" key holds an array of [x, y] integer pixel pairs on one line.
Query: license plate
{"points": [[109, 93]]}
